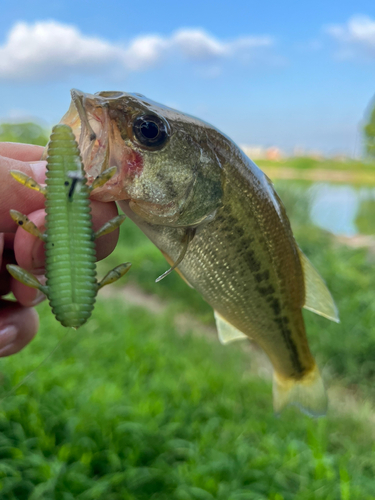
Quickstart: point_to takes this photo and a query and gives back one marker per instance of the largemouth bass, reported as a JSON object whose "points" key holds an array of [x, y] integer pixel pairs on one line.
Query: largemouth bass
{"points": [[214, 214]]}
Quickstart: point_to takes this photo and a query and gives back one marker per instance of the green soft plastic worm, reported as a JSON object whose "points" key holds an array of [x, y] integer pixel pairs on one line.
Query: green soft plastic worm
{"points": [[71, 285]]}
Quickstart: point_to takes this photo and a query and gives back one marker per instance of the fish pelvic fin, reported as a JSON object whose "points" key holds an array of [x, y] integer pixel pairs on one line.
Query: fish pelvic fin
{"points": [[318, 298], [227, 332], [307, 393]]}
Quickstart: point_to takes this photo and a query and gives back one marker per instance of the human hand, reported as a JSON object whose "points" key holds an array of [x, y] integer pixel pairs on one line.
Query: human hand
{"points": [[18, 320]]}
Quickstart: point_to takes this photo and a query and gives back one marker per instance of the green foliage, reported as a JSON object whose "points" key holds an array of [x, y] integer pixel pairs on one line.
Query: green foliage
{"points": [[369, 133], [306, 163], [365, 219], [128, 408], [347, 350], [29, 133]]}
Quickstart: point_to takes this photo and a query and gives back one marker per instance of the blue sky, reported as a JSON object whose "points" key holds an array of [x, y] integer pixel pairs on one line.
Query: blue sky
{"points": [[265, 73]]}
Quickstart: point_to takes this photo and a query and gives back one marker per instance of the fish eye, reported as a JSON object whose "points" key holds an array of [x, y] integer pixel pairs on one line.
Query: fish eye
{"points": [[151, 131]]}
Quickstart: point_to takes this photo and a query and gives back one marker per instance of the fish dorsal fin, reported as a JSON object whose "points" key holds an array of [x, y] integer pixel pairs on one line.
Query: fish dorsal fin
{"points": [[227, 332], [318, 298]]}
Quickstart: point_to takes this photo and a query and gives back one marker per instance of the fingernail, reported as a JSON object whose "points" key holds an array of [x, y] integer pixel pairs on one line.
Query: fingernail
{"points": [[39, 171], [8, 334]]}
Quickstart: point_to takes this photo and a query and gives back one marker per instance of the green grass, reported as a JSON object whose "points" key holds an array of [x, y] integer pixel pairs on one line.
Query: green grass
{"points": [[128, 408], [306, 163], [345, 351], [28, 132]]}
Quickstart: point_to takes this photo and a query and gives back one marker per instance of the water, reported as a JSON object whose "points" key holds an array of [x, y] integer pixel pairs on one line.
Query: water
{"points": [[339, 208]]}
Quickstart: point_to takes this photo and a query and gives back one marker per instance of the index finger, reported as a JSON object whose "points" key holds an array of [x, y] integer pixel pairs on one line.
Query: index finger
{"points": [[14, 195], [22, 152]]}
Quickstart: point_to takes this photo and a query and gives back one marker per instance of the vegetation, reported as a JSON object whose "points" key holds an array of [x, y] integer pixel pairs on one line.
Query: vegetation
{"points": [[306, 163], [128, 408], [30, 133], [369, 133], [348, 273], [133, 407]]}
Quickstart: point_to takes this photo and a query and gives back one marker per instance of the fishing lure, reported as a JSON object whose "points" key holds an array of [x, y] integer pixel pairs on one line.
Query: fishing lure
{"points": [[71, 285]]}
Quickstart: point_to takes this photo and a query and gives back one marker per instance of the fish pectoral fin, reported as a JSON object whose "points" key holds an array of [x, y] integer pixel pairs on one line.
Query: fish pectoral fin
{"points": [[318, 298], [308, 393], [170, 262], [189, 235], [227, 332]]}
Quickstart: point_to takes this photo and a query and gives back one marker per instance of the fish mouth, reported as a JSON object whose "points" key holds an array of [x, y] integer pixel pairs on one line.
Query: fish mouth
{"points": [[89, 121], [93, 120]]}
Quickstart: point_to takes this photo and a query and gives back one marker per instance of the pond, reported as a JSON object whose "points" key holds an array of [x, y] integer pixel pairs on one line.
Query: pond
{"points": [[341, 209]]}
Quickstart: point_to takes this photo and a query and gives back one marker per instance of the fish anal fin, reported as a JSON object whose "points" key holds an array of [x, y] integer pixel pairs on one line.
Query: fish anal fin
{"points": [[227, 332], [308, 394], [318, 298], [171, 263]]}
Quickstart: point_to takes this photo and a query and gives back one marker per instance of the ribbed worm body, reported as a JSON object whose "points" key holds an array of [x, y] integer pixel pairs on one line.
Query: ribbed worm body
{"points": [[70, 247], [69, 239]]}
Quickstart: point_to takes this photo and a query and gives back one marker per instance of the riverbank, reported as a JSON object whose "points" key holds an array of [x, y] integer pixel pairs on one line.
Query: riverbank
{"points": [[320, 175], [310, 169]]}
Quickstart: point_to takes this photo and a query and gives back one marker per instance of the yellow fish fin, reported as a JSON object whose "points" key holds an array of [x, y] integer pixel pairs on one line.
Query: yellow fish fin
{"points": [[227, 333], [318, 298], [308, 393]]}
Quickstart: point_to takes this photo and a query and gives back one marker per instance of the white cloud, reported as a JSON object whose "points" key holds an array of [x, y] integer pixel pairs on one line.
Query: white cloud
{"points": [[48, 49], [144, 51], [40, 50], [355, 38], [198, 45]]}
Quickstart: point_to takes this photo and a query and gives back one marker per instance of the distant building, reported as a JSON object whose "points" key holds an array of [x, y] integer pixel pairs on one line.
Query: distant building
{"points": [[260, 153], [274, 153]]}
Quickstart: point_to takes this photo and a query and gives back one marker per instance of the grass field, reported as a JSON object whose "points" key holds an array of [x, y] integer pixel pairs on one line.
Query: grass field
{"points": [[306, 163], [309, 169], [129, 407], [133, 406]]}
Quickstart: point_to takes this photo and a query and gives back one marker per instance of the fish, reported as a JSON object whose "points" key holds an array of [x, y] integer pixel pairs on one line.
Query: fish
{"points": [[217, 220]]}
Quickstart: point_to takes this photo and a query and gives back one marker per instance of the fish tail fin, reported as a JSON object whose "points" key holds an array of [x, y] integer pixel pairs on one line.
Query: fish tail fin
{"points": [[307, 393]]}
